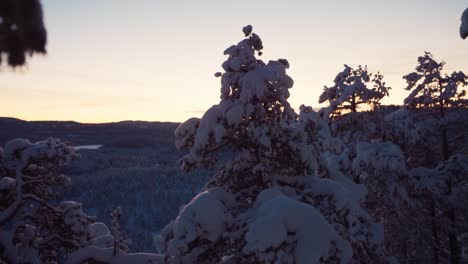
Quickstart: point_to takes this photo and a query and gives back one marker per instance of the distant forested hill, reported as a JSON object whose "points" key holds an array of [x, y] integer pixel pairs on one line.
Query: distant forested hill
{"points": [[119, 134]]}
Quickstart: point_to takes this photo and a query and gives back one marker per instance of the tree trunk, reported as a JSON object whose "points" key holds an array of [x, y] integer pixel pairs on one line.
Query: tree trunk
{"points": [[453, 243], [435, 232], [445, 147], [353, 103]]}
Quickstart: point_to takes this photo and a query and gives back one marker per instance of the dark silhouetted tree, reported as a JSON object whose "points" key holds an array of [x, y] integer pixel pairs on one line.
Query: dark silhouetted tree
{"points": [[352, 88], [464, 25], [433, 90], [22, 30], [437, 92]]}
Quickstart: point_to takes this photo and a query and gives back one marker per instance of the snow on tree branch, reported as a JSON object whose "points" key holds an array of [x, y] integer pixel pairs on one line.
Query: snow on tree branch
{"points": [[253, 115]]}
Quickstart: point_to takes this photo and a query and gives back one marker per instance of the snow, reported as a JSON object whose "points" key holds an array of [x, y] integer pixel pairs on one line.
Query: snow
{"points": [[464, 25], [312, 233], [380, 157], [106, 255], [15, 145], [318, 218], [97, 229], [48, 149], [6, 184], [103, 241], [435, 179], [251, 92], [185, 132], [99, 235], [403, 124], [235, 114], [205, 216], [74, 216]]}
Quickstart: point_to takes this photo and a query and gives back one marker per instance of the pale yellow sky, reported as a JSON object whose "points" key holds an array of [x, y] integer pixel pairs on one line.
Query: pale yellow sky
{"points": [[113, 60]]}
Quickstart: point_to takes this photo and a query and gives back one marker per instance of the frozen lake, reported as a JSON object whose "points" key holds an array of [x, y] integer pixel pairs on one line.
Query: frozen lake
{"points": [[87, 147]]}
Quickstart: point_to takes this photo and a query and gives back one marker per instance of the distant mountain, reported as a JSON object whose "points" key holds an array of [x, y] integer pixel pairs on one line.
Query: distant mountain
{"points": [[11, 121], [116, 134]]}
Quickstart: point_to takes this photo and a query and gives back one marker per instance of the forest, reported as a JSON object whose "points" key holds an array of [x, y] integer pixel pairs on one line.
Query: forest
{"points": [[355, 181]]}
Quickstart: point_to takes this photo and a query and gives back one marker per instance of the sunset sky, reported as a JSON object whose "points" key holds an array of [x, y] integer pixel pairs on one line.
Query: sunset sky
{"points": [[112, 60]]}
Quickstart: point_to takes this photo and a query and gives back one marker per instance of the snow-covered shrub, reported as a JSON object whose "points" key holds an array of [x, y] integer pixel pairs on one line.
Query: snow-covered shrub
{"points": [[269, 180], [36, 226], [350, 90], [314, 238]]}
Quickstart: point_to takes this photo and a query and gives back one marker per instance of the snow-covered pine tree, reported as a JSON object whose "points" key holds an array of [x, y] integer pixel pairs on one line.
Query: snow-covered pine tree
{"points": [[351, 89], [35, 225], [266, 202], [121, 240]]}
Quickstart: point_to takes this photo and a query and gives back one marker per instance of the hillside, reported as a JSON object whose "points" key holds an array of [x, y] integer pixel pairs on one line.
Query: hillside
{"points": [[135, 169]]}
